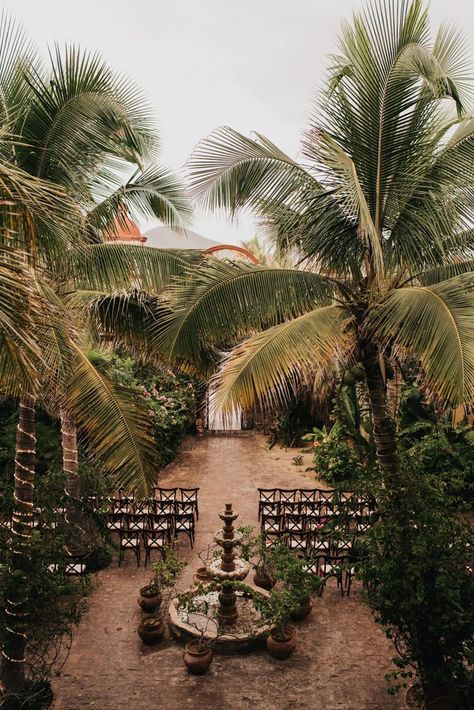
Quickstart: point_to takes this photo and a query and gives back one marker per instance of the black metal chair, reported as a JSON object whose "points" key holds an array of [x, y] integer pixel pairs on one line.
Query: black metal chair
{"points": [[129, 540], [184, 523], [154, 540], [266, 495], [190, 495]]}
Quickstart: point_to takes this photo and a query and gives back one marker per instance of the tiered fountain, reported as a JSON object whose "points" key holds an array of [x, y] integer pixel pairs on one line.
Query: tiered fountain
{"points": [[220, 605], [230, 566]]}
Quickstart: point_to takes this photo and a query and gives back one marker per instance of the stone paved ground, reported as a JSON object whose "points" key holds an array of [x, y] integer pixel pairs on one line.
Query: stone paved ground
{"points": [[341, 655]]}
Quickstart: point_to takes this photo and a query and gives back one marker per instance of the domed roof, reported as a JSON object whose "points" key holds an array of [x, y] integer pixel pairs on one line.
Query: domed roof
{"points": [[125, 229]]}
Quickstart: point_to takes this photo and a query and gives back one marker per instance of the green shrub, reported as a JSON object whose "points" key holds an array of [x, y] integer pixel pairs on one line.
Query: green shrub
{"points": [[170, 399], [338, 463], [98, 559], [418, 572], [446, 453]]}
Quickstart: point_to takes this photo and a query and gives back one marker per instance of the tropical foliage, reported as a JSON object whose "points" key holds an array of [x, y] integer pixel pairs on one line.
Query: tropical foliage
{"points": [[418, 574], [71, 135], [381, 207], [168, 396]]}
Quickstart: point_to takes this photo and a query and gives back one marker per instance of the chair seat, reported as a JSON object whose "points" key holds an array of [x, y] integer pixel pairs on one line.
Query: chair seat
{"points": [[156, 542], [75, 569], [131, 542]]}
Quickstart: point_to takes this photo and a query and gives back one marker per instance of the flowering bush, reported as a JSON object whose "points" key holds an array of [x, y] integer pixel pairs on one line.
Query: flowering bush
{"points": [[170, 399]]}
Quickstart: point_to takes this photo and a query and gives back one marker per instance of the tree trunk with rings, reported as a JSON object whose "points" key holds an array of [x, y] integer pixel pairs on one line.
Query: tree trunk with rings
{"points": [[17, 601]]}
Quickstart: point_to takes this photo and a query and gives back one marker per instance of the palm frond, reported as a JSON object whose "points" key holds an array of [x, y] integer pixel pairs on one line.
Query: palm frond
{"points": [[19, 350], [155, 193], [270, 365], [118, 267], [221, 302], [115, 426], [228, 170], [435, 325]]}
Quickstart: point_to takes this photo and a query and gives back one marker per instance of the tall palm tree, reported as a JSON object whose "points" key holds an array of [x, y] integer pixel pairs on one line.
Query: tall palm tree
{"points": [[382, 207], [75, 128]]}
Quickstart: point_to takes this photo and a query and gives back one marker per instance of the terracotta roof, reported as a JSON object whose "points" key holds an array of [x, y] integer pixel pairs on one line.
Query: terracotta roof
{"points": [[125, 230]]}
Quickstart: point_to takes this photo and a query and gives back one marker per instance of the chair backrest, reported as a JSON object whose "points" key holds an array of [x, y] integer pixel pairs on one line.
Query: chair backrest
{"points": [[272, 523], [326, 494], [127, 535], [189, 495], [183, 521], [309, 494], [167, 494], [137, 522], [291, 507], [319, 545], [268, 495], [164, 507], [182, 508], [297, 540], [160, 523], [294, 523], [310, 507], [270, 508], [289, 495]]}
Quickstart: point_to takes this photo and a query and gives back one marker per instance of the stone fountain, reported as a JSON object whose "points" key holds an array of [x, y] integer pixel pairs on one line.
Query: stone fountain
{"points": [[222, 605], [229, 566]]}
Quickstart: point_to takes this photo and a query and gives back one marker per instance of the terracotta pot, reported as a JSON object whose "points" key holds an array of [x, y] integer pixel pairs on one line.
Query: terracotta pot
{"points": [[197, 659], [281, 643], [202, 576], [151, 630], [262, 579], [149, 599], [303, 611]]}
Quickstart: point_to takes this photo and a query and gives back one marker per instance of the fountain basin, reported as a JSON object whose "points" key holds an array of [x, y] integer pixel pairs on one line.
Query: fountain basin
{"points": [[222, 541], [248, 634], [238, 574]]}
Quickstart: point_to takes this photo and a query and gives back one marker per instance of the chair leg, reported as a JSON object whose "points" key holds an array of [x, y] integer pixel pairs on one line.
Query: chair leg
{"points": [[120, 557]]}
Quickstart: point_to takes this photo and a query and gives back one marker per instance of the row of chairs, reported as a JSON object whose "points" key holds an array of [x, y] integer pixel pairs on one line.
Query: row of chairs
{"points": [[170, 495], [326, 556], [155, 531], [314, 522], [301, 500]]}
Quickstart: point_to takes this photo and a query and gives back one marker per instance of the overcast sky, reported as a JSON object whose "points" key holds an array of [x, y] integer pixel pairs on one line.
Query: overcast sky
{"points": [[250, 64]]}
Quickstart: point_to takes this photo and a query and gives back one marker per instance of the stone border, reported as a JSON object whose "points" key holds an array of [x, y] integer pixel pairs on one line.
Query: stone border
{"points": [[227, 645]]}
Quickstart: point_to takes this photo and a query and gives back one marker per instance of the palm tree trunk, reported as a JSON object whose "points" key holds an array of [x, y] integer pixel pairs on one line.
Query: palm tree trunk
{"points": [[70, 455], [16, 606], [384, 428]]}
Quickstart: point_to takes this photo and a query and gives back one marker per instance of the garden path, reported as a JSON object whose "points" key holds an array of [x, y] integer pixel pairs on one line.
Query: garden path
{"points": [[341, 656]]}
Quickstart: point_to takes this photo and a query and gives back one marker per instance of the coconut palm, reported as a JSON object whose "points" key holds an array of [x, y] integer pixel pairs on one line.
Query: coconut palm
{"points": [[382, 207], [78, 128]]}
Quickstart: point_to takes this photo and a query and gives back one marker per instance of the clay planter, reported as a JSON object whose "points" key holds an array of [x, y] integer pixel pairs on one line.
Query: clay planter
{"points": [[263, 580], [149, 599], [197, 659], [281, 643], [202, 576], [151, 630], [303, 611]]}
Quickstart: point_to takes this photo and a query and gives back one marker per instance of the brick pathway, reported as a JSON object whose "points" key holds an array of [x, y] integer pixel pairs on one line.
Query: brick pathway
{"points": [[341, 656]]}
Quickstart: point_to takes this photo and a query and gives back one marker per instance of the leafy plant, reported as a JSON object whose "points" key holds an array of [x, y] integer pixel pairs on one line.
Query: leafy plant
{"points": [[418, 572]]}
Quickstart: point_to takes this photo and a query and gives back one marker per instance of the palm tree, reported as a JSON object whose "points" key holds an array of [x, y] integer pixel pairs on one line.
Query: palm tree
{"points": [[382, 208], [73, 131]]}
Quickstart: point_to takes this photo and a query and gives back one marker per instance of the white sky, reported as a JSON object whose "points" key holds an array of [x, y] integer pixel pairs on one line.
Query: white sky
{"points": [[250, 64]]}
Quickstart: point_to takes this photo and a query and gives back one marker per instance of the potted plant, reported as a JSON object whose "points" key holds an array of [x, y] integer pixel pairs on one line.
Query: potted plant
{"points": [[277, 609], [202, 576], [291, 572], [254, 547], [152, 628]]}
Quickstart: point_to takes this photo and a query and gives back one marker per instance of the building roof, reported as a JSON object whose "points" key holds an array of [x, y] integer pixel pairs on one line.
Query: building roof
{"points": [[125, 230], [166, 238]]}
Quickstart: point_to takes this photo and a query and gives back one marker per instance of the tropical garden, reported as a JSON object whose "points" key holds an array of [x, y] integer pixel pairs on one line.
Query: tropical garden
{"points": [[354, 332]]}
